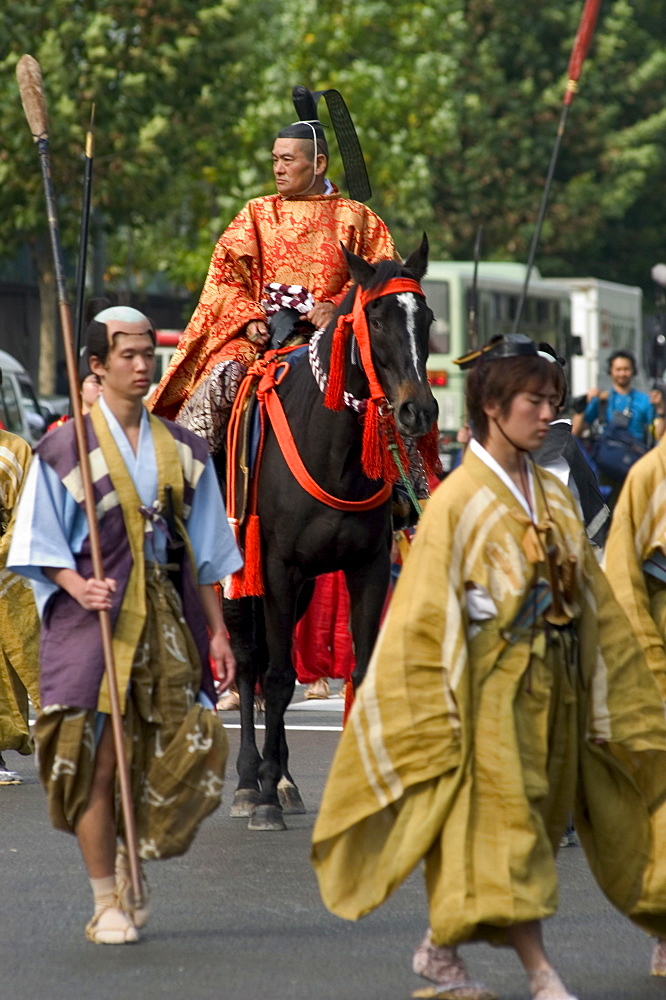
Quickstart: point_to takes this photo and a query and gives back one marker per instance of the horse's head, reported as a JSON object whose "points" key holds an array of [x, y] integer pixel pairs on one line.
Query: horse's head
{"points": [[398, 324]]}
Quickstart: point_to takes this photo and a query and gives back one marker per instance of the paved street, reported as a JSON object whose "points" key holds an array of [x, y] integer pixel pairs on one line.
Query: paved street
{"points": [[239, 917]]}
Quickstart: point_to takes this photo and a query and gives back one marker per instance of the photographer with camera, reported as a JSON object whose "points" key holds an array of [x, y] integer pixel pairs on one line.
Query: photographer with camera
{"points": [[630, 422]]}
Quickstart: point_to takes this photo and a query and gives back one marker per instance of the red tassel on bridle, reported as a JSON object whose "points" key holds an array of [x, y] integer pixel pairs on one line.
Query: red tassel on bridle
{"points": [[428, 447], [379, 428], [334, 398]]}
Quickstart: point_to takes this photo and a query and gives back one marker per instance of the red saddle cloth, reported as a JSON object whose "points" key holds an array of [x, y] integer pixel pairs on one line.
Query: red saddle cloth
{"points": [[322, 643]]}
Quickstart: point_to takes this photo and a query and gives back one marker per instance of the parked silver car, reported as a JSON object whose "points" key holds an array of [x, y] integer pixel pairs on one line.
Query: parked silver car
{"points": [[20, 411]]}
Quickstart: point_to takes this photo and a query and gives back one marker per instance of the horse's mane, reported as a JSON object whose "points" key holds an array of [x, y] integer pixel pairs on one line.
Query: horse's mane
{"points": [[385, 270]]}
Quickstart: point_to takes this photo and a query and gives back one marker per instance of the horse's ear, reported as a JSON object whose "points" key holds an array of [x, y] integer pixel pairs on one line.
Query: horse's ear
{"points": [[417, 262], [360, 270]]}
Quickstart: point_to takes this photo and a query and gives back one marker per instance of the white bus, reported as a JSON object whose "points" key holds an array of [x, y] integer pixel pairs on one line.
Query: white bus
{"points": [[448, 288], [583, 318]]}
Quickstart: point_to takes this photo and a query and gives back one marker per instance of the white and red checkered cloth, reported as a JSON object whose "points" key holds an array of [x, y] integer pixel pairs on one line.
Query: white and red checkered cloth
{"points": [[287, 297]]}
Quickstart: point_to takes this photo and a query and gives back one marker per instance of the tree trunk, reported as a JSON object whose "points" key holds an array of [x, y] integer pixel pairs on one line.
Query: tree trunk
{"points": [[48, 307]]}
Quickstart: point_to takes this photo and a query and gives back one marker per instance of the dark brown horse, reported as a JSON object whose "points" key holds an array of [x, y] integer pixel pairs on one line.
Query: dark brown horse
{"points": [[302, 537]]}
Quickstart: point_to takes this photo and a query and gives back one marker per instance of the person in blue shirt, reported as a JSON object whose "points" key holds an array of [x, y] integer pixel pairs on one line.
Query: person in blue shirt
{"points": [[640, 414]]}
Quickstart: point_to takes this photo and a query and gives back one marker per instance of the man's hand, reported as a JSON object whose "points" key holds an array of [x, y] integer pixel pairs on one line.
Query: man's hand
{"points": [[321, 314], [257, 332], [91, 594], [96, 595], [224, 664]]}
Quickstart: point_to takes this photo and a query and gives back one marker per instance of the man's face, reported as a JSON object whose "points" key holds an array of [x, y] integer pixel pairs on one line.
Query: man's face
{"points": [[622, 372], [292, 168], [130, 363]]}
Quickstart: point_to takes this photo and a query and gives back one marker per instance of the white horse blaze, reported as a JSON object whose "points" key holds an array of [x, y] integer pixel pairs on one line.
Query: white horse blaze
{"points": [[408, 302]]}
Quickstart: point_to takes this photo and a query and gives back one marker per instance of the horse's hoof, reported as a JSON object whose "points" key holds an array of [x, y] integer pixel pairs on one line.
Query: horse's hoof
{"points": [[245, 801], [290, 799], [267, 818]]}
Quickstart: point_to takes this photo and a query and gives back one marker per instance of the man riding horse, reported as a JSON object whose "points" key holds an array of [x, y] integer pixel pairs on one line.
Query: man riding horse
{"points": [[289, 238], [292, 238]]}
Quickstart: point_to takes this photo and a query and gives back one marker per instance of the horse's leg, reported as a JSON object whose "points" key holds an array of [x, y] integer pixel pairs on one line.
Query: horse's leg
{"points": [[279, 605], [368, 585], [288, 794], [239, 617]]}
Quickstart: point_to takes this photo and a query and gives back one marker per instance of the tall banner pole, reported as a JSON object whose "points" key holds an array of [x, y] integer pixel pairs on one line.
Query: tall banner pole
{"points": [[581, 45], [29, 76]]}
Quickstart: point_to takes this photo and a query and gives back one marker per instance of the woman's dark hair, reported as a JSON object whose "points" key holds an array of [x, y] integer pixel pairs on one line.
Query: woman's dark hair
{"points": [[499, 381]]}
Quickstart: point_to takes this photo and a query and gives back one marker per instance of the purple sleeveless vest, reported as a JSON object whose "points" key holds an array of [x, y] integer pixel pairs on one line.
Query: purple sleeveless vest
{"points": [[71, 655]]}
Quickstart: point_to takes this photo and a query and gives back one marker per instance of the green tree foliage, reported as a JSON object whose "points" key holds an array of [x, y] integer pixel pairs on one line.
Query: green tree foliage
{"points": [[166, 81], [457, 104]]}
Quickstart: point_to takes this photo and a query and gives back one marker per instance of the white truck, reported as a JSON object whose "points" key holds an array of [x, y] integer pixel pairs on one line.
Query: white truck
{"points": [[605, 316], [585, 319]]}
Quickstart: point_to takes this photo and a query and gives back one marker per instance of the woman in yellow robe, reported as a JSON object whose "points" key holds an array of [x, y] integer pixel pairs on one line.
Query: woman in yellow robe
{"points": [[506, 689], [635, 564], [19, 624]]}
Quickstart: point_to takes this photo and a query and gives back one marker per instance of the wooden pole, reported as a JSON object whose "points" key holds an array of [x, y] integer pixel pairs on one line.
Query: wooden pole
{"points": [[584, 35], [29, 76]]}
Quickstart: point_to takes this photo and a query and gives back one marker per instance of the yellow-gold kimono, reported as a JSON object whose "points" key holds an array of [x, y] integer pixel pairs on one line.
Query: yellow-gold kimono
{"points": [[19, 623], [638, 538], [475, 732]]}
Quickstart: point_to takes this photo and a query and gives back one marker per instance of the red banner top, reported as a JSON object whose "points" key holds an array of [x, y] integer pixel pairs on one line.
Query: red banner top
{"points": [[586, 28]]}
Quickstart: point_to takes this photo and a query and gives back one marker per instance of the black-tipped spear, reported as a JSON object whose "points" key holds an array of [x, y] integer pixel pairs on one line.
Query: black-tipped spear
{"points": [[29, 76], [584, 35], [83, 235], [473, 317]]}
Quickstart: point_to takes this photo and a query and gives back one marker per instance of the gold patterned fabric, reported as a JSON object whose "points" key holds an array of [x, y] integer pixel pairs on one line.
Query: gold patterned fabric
{"points": [[638, 533], [175, 749], [274, 239], [19, 623], [475, 731]]}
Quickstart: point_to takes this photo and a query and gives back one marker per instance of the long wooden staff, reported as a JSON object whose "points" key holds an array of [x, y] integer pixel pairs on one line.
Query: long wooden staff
{"points": [[584, 35], [29, 76]]}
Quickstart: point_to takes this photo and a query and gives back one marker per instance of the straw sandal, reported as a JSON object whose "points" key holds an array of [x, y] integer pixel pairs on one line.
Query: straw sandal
{"points": [[547, 985], [658, 965], [111, 926], [445, 968]]}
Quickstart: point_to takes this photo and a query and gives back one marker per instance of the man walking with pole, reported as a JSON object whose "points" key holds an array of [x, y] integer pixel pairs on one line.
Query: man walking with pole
{"points": [[156, 495]]}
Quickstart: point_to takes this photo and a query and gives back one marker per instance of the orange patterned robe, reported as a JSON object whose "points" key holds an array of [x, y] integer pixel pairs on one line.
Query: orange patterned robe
{"points": [[287, 240]]}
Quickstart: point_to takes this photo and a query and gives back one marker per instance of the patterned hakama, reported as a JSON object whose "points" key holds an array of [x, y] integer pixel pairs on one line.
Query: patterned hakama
{"points": [[176, 749]]}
